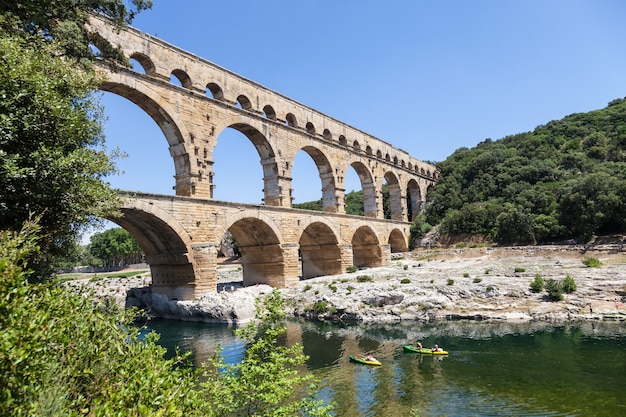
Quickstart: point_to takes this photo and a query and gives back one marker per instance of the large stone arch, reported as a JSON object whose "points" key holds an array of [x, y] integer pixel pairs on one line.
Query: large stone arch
{"points": [[395, 196], [167, 246], [366, 250], [264, 259], [320, 252], [414, 199], [370, 202], [327, 177], [173, 129], [397, 241], [275, 185]]}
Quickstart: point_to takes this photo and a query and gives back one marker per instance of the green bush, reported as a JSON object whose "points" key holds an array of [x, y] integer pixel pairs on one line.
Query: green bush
{"points": [[519, 269], [466, 274], [477, 280], [364, 278], [554, 289], [450, 281], [323, 307], [332, 287], [351, 269], [65, 355], [591, 262], [267, 382], [405, 281], [537, 284], [306, 287], [569, 285]]}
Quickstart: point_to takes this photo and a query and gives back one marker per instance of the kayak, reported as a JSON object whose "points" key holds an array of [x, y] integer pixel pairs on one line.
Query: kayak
{"points": [[424, 351], [364, 361]]}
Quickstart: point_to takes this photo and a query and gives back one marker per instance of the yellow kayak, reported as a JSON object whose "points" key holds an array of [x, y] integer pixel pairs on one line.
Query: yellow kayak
{"points": [[424, 350]]}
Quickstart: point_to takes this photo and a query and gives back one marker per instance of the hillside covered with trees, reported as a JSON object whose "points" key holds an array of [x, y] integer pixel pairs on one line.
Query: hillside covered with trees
{"points": [[565, 179]]}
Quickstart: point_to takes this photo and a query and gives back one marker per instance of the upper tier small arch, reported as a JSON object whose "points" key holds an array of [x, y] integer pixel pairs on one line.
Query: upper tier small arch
{"points": [[183, 78], [215, 90], [145, 62]]}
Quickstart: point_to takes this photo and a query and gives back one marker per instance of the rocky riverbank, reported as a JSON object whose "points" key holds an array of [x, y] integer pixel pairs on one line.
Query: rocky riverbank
{"points": [[451, 284]]}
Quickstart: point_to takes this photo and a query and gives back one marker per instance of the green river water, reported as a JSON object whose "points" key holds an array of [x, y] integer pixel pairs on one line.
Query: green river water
{"points": [[493, 369]]}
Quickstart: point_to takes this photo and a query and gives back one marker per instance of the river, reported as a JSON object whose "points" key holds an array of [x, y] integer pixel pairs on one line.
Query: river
{"points": [[493, 369]]}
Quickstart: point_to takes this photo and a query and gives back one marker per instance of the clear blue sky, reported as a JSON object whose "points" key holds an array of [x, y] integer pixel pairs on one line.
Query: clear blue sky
{"points": [[428, 77]]}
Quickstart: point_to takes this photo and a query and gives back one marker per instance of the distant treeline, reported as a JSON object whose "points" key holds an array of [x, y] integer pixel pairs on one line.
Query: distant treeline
{"points": [[354, 203]]}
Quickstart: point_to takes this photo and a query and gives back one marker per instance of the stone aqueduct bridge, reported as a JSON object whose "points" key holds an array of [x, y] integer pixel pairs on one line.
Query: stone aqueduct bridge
{"points": [[181, 234]]}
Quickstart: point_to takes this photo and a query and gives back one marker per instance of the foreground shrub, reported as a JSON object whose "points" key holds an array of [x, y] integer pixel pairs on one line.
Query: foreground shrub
{"points": [[267, 382], [64, 355]]}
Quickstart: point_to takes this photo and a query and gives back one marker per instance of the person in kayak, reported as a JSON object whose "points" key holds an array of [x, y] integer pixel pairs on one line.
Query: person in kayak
{"points": [[419, 345], [437, 349], [370, 358]]}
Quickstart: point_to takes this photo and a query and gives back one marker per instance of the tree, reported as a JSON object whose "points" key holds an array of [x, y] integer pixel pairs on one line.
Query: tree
{"points": [[63, 23], [267, 382], [514, 225], [53, 162], [115, 247]]}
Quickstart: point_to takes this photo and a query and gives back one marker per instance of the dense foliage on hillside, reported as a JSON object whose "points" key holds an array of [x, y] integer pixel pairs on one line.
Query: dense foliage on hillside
{"points": [[565, 179]]}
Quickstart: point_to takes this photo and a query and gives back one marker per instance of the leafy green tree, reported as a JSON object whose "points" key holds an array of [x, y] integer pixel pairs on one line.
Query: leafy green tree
{"points": [[115, 247], [267, 382], [53, 160], [63, 23], [52, 156], [419, 228], [64, 355], [593, 203], [514, 225]]}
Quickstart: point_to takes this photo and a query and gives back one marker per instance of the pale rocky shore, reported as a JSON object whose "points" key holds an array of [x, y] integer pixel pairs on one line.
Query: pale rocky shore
{"points": [[487, 284]]}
